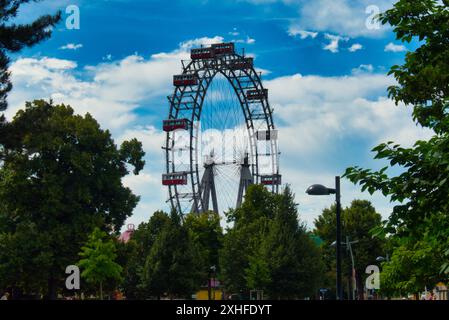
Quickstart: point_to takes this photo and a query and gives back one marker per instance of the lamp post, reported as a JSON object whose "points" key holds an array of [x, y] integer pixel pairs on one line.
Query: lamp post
{"points": [[211, 282], [320, 190]]}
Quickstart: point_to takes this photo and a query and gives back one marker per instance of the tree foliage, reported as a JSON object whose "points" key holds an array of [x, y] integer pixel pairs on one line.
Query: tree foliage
{"points": [[14, 38], [61, 177], [423, 80], [273, 249], [250, 226], [173, 265], [207, 234], [359, 221], [421, 188], [98, 260], [136, 252]]}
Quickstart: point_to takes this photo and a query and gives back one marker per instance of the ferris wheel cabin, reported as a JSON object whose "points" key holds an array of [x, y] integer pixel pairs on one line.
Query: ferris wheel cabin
{"points": [[270, 180], [212, 51], [257, 94], [265, 135], [223, 48], [183, 80], [172, 179], [244, 63], [175, 124], [202, 53]]}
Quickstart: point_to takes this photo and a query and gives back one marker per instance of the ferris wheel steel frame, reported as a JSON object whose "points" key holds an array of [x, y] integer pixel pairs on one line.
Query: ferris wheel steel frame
{"points": [[187, 103]]}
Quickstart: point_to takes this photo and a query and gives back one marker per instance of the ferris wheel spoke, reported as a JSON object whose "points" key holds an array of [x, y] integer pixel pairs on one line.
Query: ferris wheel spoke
{"points": [[227, 181]]}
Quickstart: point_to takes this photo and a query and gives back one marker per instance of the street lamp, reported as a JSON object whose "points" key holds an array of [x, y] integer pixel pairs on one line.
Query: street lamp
{"points": [[320, 190], [382, 259]]}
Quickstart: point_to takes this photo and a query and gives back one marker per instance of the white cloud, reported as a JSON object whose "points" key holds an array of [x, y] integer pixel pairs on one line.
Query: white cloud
{"points": [[294, 31], [152, 138], [301, 177], [363, 68], [346, 17], [263, 72], [339, 16], [71, 46], [36, 67], [110, 91], [313, 113], [355, 47], [141, 183], [391, 47], [339, 106], [204, 41], [250, 40], [333, 46], [336, 120], [234, 32]]}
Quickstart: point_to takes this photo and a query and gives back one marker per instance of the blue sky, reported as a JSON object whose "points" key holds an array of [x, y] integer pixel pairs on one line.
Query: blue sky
{"points": [[325, 69]]}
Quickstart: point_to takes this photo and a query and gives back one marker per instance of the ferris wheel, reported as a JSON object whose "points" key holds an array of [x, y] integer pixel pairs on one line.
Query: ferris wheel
{"points": [[220, 135]]}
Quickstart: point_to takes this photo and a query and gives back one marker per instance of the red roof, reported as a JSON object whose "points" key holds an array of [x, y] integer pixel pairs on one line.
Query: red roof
{"points": [[125, 236]]}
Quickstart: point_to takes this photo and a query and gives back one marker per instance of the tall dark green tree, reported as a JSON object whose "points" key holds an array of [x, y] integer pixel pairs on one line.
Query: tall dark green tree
{"points": [[422, 186], [257, 274], [136, 252], [249, 226], [207, 234], [61, 178], [14, 38], [271, 247], [294, 260], [174, 265]]}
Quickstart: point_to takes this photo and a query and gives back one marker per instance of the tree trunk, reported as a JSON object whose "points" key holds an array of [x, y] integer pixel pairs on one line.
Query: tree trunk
{"points": [[360, 286], [101, 290], [51, 288]]}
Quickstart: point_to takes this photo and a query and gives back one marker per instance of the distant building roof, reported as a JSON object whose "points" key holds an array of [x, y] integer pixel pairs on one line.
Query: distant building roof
{"points": [[318, 241], [125, 236]]}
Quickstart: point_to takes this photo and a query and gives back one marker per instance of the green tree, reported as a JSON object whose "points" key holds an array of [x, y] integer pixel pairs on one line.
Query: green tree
{"points": [[293, 258], [234, 258], [173, 265], [98, 260], [416, 263], [257, 274], [137, 250], [207, 234], [14, 38], [421, 188], [271, 247], [126, 254], [358, 223], [62, 177], [19, 258], [249, 226]]}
